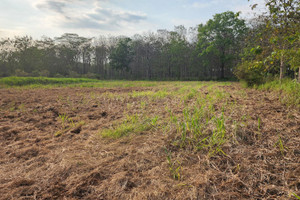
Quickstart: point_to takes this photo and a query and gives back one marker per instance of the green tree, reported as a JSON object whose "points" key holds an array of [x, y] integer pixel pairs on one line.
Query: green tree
{"points": [[122, 55], [273, 43], [284, 20], [220, 39]]}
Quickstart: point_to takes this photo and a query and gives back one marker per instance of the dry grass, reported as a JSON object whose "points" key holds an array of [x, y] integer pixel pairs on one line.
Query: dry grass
{"points": [[178, 141]]}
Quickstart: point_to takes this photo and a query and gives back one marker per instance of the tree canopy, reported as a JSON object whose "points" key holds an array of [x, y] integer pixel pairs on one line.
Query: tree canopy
{"points": [[219, 40]]}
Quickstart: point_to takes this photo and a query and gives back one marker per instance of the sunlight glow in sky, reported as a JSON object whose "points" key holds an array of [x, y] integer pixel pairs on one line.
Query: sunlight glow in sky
{"points": [[102, 17]]}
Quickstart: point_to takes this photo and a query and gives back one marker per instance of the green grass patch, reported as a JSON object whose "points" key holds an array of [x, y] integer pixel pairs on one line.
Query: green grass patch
{"points": [[44, 82], [25, 81], [289, 89], [201, 126], [132, 124]]}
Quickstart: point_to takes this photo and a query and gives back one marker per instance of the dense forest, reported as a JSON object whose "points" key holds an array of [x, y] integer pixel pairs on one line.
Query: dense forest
{"points": [[226, 47]]}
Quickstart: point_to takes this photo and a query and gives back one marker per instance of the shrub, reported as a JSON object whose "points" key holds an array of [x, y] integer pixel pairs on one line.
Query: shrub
{"points": [[251, 72]]}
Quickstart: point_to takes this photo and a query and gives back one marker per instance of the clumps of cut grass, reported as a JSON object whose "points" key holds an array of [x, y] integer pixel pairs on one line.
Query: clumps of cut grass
{"points": [[67, 124], [132, 124], [73, 128]]}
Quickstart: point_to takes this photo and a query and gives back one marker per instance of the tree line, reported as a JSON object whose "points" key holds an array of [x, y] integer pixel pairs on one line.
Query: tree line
{"points": [[225, 47]]}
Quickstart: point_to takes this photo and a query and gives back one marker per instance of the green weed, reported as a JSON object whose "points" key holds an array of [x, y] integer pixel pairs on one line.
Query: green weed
{"points": [[132, 124], [21, 107], [64, 119], [259, 124], [174, 167], [143, 104], [280, 145], [296, 196], [12, 106]]}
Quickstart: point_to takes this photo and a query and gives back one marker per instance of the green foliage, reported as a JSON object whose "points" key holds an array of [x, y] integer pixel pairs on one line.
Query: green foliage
{"points": [[165, 55], [272, 47], [251, 72], [220, 39], [122, 55]]}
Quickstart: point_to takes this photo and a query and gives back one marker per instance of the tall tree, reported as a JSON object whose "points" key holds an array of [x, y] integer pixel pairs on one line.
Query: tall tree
{"points": [[220, 39], [122, 55], [284, 21]]}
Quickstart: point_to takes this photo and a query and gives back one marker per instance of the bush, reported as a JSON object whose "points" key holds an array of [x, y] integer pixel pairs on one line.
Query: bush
{"points": [[251, 72], [73, 74], [21, 73], [91, 76]]}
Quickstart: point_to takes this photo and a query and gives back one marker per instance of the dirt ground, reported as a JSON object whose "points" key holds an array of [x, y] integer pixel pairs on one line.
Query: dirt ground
{"points": [[80, 164]]}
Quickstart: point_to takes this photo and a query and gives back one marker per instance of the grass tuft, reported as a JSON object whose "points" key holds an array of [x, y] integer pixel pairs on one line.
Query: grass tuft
{"points": [[289, 90], [132, 124]]}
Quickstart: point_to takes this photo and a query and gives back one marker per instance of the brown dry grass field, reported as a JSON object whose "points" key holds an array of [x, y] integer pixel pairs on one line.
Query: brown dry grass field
{"points": [[160, 140]]}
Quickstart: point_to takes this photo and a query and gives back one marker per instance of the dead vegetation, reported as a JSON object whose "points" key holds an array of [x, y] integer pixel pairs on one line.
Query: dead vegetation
{"points": [[174, 141]]}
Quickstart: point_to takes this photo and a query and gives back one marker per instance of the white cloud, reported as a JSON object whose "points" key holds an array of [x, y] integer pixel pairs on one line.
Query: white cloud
{"points": [[115, 17], [5, 33], [201, 5], [73, 15]]}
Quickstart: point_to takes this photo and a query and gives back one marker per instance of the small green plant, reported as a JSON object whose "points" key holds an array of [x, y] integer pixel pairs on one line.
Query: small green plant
{"points": [[174, 167], [143, 104], [259, 123], [296, 196], [160, 94], [190, 95], [238, 168], [280, 145], [64, 118], [154, 121], [12, 106], [21, 107]]}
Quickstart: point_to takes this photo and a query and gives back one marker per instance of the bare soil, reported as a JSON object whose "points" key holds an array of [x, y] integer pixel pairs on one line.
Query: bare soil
{"points": [[80, 164]]}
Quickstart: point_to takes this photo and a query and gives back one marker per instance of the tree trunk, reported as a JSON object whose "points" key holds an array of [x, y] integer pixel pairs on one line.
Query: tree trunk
{"points": [[281, 67], [222, 70]]}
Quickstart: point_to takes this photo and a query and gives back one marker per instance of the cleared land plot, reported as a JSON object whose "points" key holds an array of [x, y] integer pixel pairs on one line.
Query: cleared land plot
{"points": [[148, 140]]}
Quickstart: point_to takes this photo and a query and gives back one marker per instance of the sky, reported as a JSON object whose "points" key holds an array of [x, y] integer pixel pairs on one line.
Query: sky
{"points": [[91, 18]]}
